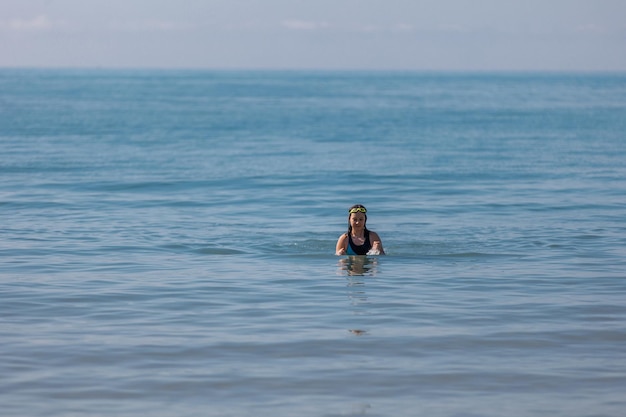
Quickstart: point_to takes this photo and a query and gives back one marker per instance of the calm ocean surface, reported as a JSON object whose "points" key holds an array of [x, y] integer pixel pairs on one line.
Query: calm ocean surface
{"points": [[167, 244]]}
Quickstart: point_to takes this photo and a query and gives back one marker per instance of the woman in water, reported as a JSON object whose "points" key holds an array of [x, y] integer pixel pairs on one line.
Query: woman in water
{"points": [[358, 240]]}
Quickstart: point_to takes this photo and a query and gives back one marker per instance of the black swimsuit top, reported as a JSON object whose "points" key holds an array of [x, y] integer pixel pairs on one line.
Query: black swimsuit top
{"points": [[359, 250]]}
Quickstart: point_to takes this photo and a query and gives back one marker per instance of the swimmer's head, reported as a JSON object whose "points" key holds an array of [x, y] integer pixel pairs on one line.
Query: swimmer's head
{"points": [[357, 209]]}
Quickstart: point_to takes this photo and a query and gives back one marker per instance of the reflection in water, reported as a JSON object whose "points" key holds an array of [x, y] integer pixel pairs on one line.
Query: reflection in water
{"points": [[358, 265], [357, 268]]}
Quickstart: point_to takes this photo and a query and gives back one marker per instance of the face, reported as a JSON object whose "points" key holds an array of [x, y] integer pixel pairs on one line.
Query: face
{"points": [[357, 220]]}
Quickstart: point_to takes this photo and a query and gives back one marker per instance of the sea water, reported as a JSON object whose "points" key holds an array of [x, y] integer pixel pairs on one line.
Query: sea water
{"points": [[167, 243]]}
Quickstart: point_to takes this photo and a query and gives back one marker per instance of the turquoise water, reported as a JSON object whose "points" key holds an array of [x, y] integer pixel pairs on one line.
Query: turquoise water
{"points": [[167, 243]]}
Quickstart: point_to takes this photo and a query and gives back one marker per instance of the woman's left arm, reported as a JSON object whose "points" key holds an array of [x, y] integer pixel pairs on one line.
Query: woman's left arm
{"points": [[377, 244]]}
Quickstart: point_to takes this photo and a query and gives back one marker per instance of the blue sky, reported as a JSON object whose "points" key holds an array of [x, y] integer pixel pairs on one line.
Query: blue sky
{"points": [[552, 35]]}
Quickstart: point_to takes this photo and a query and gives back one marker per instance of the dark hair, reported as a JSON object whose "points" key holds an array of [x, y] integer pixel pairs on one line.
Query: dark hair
{"points": [[350, 214]]}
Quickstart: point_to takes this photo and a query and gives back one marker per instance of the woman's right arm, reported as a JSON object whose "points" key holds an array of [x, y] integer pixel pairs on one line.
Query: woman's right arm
{"points": [[342, 245]]}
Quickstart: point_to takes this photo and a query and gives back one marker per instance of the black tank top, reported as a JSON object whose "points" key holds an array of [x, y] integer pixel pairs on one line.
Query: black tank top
{"points": [[360, 250]]}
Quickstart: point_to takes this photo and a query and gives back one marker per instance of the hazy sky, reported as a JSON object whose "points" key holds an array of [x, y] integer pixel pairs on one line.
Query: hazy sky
{"points": [[316, 34]]}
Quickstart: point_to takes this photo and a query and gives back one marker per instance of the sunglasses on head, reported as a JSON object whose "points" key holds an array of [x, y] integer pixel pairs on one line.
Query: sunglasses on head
{"points": [[358, 210]]}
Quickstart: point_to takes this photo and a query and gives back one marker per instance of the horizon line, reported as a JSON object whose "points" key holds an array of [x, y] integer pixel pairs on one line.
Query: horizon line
{"points": [[315, 69]]}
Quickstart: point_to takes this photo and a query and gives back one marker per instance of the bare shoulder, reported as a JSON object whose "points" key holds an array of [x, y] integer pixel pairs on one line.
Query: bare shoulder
{"points": [[374, 236]]}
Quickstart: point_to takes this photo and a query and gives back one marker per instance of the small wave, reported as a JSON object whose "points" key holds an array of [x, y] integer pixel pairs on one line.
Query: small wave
{"points": [[219, 251]]}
